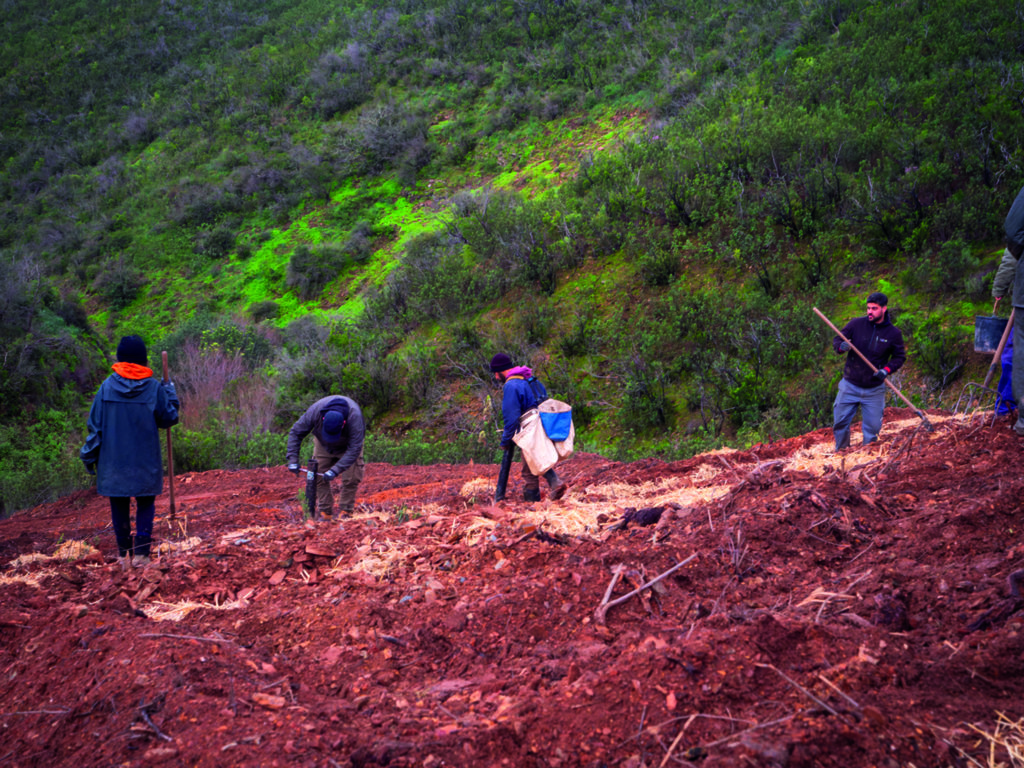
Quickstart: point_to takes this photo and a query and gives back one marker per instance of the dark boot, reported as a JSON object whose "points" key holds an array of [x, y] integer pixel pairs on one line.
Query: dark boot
{"points": [[531, 493], [141, 558], [556, 488], [124, 544], [142, 545]]}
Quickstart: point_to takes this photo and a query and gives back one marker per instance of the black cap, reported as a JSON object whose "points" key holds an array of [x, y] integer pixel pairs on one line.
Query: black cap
{"points": [[132, 349], [334, 423], [878, 298], [500, 362]]}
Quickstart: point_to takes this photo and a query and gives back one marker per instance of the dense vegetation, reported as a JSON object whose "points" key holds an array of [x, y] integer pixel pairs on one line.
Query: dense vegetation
{"points": [[643, 199]]}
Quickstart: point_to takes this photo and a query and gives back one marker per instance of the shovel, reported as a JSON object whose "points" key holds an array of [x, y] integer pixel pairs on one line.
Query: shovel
{"points": [[170, 451], [311, 474], [999, 349], [928, 425]]}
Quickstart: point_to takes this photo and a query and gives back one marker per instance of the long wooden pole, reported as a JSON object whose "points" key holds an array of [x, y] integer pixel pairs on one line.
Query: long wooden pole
{"points": [[891, 386], [170, 450], [999, 349]]}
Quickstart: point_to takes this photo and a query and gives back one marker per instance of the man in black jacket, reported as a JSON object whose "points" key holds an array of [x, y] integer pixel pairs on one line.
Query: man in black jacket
{"points": [[881, 342], [338, 434]]}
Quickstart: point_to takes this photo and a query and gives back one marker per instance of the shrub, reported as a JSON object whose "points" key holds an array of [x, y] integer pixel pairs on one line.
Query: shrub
{"points": [[645, 400], [940, 351], [658, 264], [118, 282], [305, 333], [264, 310], [39, 462], [359, 245], [216, 243], [219, 446], [416, 447], [388, 134], [310, 270]]}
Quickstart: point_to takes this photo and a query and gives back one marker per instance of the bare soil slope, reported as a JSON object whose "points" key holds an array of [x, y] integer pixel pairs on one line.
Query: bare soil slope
{"points": [[851, 610]]}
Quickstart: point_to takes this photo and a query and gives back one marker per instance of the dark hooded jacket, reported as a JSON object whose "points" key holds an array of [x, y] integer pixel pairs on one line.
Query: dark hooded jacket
{"points": [[349, 447], [881, 343], [124, 439]]}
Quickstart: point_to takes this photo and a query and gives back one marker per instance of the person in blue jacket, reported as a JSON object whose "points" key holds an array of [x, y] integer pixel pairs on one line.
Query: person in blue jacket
{"points": [[521, 392], [123, 446]]}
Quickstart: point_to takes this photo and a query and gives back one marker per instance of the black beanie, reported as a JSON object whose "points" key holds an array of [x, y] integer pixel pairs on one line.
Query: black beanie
{"points": [[500, 362], [132, 349], [334, 423], [878, 298]]}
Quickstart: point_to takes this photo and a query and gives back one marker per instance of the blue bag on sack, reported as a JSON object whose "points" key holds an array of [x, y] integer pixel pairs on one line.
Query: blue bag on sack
{"points": [[556, 425]]}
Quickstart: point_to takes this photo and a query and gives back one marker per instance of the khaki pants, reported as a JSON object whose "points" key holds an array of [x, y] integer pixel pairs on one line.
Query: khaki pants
{"points": [[531, 482], [350, 480]]}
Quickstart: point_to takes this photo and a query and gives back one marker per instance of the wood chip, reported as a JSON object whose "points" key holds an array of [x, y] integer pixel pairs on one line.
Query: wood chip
{"points": [[268, 700], [318, 551]]}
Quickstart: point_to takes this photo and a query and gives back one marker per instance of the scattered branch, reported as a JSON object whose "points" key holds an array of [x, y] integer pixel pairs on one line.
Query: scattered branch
{"points": [[802, 690], [220, 640], [160, 734], [675, 742], [602, 610]]}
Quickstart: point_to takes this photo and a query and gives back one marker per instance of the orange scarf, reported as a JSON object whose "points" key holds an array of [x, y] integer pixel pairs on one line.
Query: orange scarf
{"points": [[132, 371]]}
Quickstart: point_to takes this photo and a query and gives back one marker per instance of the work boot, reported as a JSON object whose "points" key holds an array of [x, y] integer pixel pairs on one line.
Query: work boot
{"points": [[123, 562], [531, 493], [1019, 426], [141, 561], [556, 488]]}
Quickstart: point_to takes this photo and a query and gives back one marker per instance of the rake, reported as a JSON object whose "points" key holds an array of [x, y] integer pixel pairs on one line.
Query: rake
{"points": [[974, 395]]}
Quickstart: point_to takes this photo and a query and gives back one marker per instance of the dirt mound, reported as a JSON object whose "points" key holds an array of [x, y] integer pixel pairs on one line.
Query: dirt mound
{"points": [[818, 610]]}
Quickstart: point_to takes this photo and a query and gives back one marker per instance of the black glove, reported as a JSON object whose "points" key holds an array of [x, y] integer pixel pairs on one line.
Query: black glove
{"points": [[845, 346], [90, 467], [329, 475], [880, 374], [294, 469]]}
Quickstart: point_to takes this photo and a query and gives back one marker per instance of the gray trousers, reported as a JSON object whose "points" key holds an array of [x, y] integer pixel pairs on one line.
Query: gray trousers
{"points": [[871, 403]]}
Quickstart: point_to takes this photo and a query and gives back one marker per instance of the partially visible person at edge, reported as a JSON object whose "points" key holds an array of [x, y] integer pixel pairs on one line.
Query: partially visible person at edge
{"points": [[1006, 404], [1011, 274], [881, 342], [521, 391], [123, 446], [338, 434]]}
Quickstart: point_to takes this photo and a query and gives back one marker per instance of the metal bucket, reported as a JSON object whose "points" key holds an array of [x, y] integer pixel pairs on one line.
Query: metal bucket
{"points": [[988, 331]]}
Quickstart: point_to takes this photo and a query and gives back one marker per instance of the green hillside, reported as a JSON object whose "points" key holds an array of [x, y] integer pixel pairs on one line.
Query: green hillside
{"points": [[642, 200]]}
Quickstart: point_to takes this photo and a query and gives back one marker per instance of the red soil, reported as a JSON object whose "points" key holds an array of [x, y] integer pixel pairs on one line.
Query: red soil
{"points": [[855, 616]]}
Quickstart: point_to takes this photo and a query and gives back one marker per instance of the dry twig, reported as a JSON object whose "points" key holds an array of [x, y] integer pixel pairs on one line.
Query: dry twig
{"points": [[189, 637], [602, 609], [802, 690]]}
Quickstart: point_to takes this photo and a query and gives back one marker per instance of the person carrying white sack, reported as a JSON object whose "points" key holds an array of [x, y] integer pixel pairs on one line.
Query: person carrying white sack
{"points": [[522, 392]]}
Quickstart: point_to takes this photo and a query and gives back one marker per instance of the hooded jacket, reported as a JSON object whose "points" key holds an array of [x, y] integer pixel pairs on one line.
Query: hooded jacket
{"points": [[350, 446], [881, 343], [520, 393], [1009, 279], [124, 439]]}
